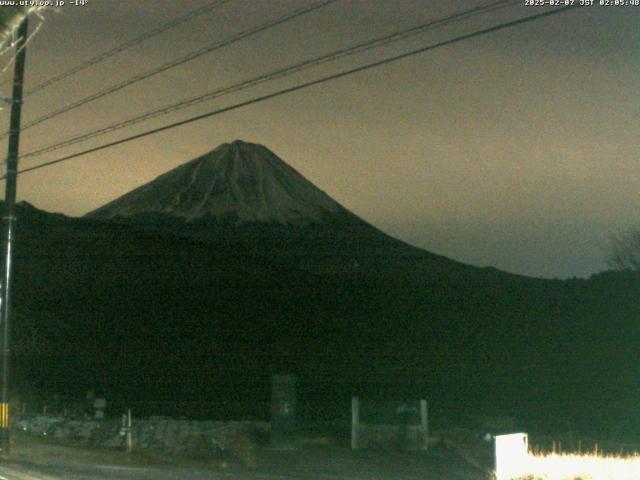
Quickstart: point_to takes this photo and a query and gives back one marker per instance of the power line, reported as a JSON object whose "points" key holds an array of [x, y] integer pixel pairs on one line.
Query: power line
{"points": [[302, 86], [175, 63], [279, 73], [129, 44]]}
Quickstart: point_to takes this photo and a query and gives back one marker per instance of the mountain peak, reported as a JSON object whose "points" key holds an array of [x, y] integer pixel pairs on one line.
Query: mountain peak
{"points": [[240, 146], [237, 143], [243, 181]]}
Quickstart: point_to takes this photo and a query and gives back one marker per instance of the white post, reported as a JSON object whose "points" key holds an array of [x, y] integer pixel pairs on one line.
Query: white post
{"points": [[355, 423], [424, 423], [511, 455], [129, 433]]}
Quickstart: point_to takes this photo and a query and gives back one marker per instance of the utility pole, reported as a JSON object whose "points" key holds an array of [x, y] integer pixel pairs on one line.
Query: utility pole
{"points": [[10, 203]]}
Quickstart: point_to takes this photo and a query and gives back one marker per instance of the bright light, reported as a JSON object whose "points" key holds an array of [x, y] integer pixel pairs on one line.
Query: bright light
{"points": [[579, 467], [514, 461], [512, 454]]}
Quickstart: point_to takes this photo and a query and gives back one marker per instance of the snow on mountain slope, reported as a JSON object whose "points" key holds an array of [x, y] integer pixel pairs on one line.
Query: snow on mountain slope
{"points": [[239, 179]]}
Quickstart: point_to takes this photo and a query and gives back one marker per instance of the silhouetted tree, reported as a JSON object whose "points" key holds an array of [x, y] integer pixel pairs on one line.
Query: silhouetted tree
{"points": [[625, 250]]}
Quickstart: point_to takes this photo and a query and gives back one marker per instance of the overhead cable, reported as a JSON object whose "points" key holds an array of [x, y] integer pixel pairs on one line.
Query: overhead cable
{"points": [[211, 5], [276, 74], [302, 86], [175, 63]]}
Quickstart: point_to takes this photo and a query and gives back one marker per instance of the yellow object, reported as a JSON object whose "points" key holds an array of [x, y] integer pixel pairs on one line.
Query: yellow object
{"points": [[4, 415]]}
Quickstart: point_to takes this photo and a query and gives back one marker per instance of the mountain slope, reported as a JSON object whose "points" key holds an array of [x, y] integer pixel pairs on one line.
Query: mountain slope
{"points": [[179, 290], [242, 181], [150, 314], [242, 193]]}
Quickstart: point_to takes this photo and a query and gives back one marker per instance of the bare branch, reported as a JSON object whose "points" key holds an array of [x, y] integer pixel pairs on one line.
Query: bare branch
{"points": [[625, 250]]}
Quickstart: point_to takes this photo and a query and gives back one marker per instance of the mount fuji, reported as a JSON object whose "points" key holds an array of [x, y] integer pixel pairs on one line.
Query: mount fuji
{"points": [[242, 194], [238, 182]]}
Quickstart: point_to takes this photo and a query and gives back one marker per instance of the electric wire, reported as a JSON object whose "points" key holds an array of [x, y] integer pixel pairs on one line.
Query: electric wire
{"points": [[30, 37], [279, 73], [212, 5], [175, 63], [302, 86]]}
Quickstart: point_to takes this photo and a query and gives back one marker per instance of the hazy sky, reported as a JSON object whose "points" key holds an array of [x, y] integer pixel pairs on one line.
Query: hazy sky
{"points": [[518, 149]]}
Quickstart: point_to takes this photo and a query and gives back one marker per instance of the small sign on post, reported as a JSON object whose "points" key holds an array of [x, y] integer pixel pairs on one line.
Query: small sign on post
{"points": [[99, 404]]}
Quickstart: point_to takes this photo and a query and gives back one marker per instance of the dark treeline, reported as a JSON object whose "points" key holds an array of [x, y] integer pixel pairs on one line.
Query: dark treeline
{"points": [[208, 312]]}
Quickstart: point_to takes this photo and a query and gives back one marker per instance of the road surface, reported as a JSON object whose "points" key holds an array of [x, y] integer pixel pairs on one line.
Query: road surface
{"points": [[54, 462]]}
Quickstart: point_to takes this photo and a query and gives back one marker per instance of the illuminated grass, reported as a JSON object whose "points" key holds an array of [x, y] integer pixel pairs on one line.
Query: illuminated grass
{"points": [[571, 466]]}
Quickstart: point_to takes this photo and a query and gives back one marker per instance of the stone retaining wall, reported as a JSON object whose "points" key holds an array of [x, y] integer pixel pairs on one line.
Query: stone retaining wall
{"points": [[160, 433]]}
